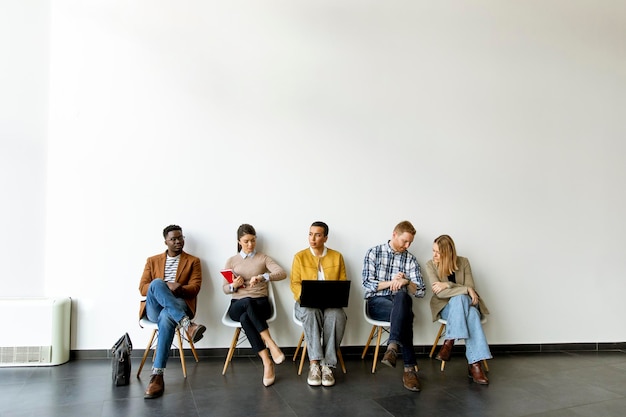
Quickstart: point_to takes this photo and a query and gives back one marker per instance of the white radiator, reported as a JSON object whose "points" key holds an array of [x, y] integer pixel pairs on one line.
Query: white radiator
{"points": [[35, 331]]}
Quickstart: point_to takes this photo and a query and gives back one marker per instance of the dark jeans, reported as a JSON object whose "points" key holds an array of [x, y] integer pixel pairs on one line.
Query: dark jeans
{"points": [[252, 313], [397, 309]]}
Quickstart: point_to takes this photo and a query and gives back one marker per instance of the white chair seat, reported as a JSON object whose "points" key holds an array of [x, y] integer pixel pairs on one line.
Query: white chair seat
{"points": [[378, 328]]}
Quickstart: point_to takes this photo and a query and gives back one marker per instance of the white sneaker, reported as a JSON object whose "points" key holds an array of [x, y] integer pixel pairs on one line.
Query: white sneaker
{"points": [[328, 380], [314, 378]]}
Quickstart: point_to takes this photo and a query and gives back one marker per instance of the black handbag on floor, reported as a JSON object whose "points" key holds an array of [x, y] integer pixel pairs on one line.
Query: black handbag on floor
{"points": [[121, 360]]}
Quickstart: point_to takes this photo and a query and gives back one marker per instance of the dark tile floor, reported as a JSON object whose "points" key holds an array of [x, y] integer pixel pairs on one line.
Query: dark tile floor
{"points": [[542, 384]]}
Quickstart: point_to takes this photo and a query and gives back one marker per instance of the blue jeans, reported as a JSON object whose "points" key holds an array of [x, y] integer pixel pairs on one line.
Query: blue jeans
{"points": [[167, 310], [464, 323], [252, 313], [398, 310], [323, 331]]}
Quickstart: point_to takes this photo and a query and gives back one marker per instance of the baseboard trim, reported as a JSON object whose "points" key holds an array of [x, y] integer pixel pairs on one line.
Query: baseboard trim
{"points": [[358, 350]]}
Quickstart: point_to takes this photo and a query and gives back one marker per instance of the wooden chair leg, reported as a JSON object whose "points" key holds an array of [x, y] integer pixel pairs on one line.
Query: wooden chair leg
{"points": [[295, 355], [485, 365], [302, 358], [340, 357], [432, 351], [193, 350], [145, 353], [182, 353], [231, 350], [380, 331], [369, 339]]}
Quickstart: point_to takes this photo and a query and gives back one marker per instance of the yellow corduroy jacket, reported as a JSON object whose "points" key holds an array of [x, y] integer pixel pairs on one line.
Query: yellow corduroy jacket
{"points": [[305, 264]]}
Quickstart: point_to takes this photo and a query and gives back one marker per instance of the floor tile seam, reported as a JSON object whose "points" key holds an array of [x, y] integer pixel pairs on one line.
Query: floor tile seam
{"points": [[455, 393], [193, 396], [620, 394], [542, 413], [284, 399], [551, 398], [387, 412]]}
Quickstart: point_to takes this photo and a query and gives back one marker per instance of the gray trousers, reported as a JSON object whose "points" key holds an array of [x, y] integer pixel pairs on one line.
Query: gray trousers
{"points": [[323, 331]]}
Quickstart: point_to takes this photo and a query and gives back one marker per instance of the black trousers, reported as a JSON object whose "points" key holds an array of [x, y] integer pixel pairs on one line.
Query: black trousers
{"points": [[252, 313]]}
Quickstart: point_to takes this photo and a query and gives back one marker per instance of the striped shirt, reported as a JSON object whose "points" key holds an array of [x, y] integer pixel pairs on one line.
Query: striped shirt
{"points": [[382, 263], [171, 265]]}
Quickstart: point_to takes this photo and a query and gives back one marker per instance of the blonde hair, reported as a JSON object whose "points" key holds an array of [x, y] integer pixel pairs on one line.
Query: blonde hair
{"points": [[447, 255]]}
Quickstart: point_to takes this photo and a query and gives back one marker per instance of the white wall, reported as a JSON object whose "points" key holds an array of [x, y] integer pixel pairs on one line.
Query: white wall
{"points": [[24, 32], [500, 123]]}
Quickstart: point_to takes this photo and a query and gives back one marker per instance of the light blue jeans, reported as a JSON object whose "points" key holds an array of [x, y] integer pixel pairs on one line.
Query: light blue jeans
{"points": [[167, 310], [323, 331], [464, 323]]}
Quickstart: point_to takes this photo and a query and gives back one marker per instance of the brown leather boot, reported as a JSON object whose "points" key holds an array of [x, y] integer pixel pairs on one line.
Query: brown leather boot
{"points": [[195, 332], [156, 386], [411, 381], [446, 350], [475, 371]]}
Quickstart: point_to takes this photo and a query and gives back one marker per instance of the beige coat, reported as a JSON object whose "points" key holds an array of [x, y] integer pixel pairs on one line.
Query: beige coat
{"points": [[464, 280]]}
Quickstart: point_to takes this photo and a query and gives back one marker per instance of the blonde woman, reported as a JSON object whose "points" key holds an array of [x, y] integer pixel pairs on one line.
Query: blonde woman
{"points": [[455, 300]]}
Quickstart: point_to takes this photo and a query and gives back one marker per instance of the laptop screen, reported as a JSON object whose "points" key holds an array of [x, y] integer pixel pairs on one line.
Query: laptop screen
{"points": [[325, 294]]}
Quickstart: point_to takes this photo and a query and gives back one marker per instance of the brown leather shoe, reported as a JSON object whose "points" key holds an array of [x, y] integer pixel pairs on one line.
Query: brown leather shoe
{"points": [[445, 353], [156, 386], [389, 358], [475, 371], [195, 332], [411, 381]]}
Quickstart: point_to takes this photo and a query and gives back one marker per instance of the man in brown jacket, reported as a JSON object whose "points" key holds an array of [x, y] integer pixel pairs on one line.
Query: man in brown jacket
{"points": [[170, 282]]}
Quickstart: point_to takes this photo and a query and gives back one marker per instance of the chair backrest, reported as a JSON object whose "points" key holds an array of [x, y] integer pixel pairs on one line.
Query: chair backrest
{"points": [[272, 300], [227, 321], [295, 319], [371, 320]]}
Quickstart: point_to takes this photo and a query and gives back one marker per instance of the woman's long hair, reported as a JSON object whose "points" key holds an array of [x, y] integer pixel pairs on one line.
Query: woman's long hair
{"points": [[447, 253], [244, 229]]}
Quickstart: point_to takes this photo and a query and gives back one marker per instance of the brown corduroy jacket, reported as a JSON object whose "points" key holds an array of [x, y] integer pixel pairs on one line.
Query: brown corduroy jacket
{"points": [[188, 275]]}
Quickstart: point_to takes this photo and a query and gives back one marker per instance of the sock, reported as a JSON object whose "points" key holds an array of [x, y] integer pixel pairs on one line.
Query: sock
{"points": [[185, 322], [158, 371]]}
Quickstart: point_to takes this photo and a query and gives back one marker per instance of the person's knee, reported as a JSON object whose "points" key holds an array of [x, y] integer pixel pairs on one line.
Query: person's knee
{"points": [[474, 313], [157, 284], [244, 318], [459, 300], [312, 315], [403, 299], [334, 314]]}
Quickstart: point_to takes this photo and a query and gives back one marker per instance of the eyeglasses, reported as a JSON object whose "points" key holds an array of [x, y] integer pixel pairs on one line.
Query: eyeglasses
{"points": [[176, 239]]}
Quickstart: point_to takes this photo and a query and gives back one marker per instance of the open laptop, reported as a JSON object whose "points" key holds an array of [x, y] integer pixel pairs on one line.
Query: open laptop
{"points": [[324, 294]]}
